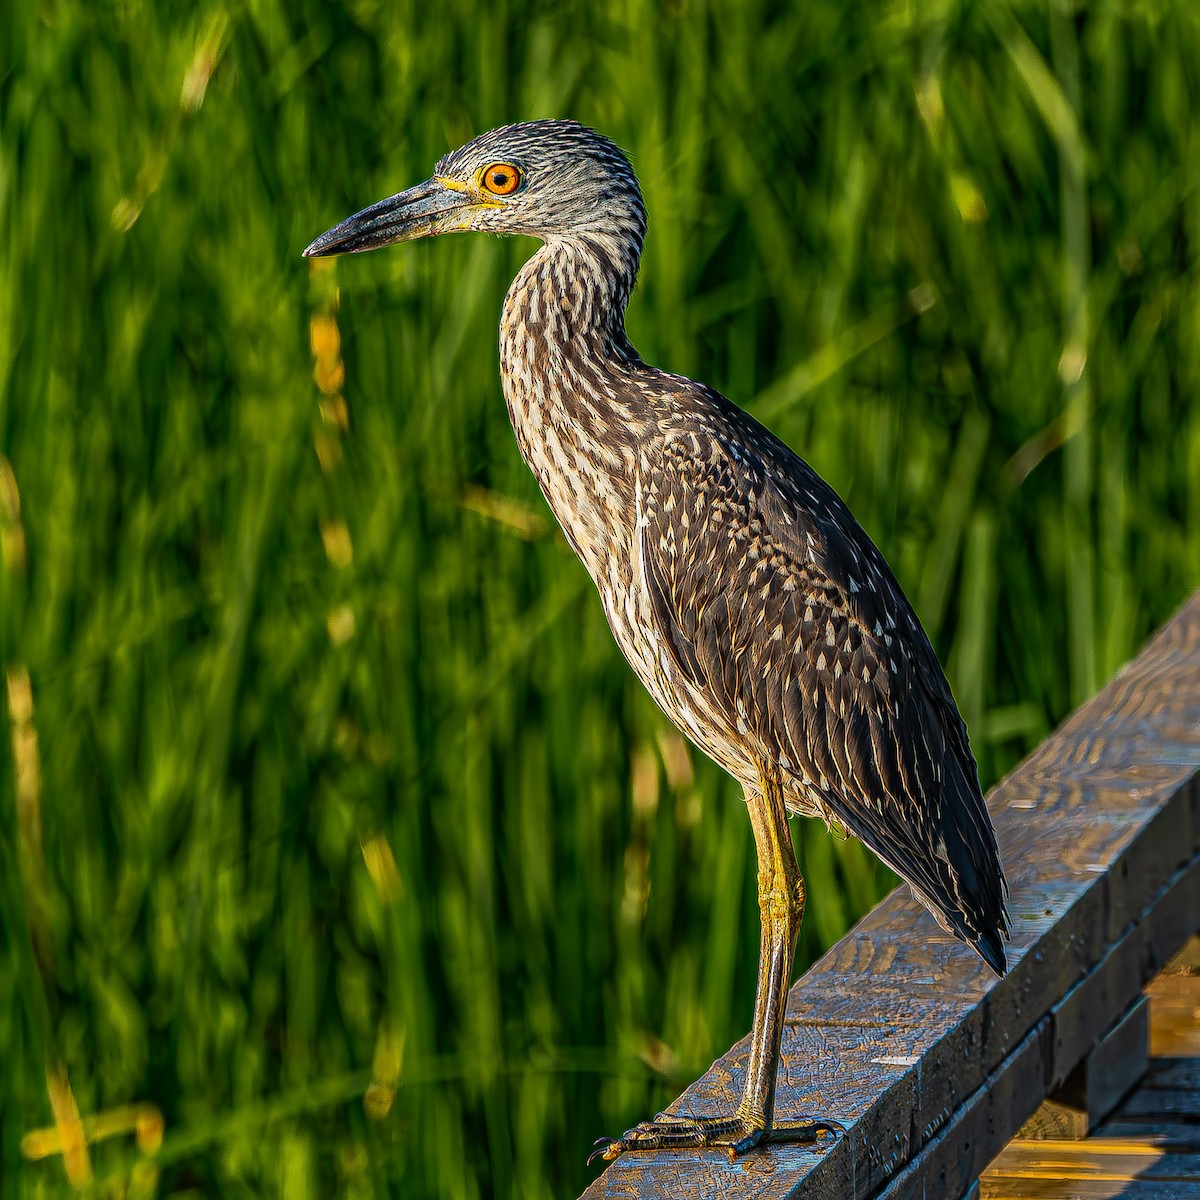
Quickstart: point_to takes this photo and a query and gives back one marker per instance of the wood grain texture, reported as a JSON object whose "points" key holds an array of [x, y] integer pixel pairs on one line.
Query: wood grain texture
{"points": [[903, 1035]]}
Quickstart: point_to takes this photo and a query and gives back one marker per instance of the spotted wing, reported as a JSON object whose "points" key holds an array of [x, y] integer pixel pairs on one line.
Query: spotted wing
{"points": [[775, 605]]}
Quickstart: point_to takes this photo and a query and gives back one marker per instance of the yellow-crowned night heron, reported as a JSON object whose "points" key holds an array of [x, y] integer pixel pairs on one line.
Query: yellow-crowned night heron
{"points": [[749, 601]]}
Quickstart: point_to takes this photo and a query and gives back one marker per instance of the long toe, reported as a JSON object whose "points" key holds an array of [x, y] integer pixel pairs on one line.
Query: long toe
{"points": [[737, 1134], [805, 1129]]}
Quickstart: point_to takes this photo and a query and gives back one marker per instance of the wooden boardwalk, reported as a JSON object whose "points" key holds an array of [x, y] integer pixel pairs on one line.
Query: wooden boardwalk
{"points": [[1149, 1148], [902, 1035]]}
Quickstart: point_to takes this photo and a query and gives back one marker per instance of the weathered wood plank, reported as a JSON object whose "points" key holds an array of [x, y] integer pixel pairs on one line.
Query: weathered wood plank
{"points": [[1127, 1154], [968, 1147], [1175, 1073], [1178, 1134], [1169, 1102], [901, 1033], [1105, 1159], [1175, 1016], [1092, 1189], [1096, 1189], [1107, 1072]]}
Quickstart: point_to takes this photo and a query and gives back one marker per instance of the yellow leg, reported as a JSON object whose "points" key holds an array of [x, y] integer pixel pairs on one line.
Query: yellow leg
{"points": [[781, 907]]}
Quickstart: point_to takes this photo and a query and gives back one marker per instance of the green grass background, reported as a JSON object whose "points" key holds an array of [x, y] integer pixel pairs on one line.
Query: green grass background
{"points": [[947, 250]]}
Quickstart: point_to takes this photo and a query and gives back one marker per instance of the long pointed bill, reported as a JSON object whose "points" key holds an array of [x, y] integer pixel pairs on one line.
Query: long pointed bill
{"points": [[430, 207]]}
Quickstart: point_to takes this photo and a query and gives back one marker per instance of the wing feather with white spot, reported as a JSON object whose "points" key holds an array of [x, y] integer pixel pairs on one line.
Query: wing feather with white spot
{"points": [[774, 604]]}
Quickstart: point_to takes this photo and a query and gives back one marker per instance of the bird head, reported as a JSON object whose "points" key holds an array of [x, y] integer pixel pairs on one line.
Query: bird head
{"points": [[547, 179]]}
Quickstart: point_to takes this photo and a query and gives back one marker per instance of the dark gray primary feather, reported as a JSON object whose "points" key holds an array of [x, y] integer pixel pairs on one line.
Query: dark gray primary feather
{"points": [[778, 608]]}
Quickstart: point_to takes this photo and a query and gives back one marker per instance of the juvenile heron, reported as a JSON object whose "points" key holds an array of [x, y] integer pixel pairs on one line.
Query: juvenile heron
{"points": [[747, 599]]}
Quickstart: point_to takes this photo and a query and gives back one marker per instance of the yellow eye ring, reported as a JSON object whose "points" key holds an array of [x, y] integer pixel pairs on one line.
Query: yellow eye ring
{"points": [[501, 179]]}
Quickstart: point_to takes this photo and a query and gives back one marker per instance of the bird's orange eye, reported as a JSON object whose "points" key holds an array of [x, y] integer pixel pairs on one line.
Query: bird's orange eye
{"points": [[501, 179]]}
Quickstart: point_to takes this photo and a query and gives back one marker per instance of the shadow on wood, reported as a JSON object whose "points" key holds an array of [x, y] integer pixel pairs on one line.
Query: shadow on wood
{"points": [[904, 1036]]}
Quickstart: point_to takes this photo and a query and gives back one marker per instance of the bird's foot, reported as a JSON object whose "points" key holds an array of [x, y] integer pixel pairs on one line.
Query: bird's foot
{"points": [[737, 1134]]}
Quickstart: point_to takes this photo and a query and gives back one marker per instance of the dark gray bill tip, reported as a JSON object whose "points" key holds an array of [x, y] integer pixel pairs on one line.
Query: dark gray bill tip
{"points": [[374, 226], [321, 247]]}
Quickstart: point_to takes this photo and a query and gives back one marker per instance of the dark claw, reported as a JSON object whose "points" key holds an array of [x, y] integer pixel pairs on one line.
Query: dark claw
{"points": [[603, 1145], [755, 1137]]}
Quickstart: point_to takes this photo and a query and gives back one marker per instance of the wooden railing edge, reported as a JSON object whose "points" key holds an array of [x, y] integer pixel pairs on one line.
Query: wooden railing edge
{"points": [[1100, 831], [983, 1125]]}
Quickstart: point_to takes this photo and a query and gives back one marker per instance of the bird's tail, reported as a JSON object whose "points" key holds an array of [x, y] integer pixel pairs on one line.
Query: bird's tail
{"points": [[960, 878]]}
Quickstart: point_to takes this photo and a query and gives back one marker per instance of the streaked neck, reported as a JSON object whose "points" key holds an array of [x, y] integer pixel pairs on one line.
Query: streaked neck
{"points": [[568, 371]]}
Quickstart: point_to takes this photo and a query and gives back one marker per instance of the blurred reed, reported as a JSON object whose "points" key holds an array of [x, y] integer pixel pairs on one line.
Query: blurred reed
{"points": [[364, 863]]}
